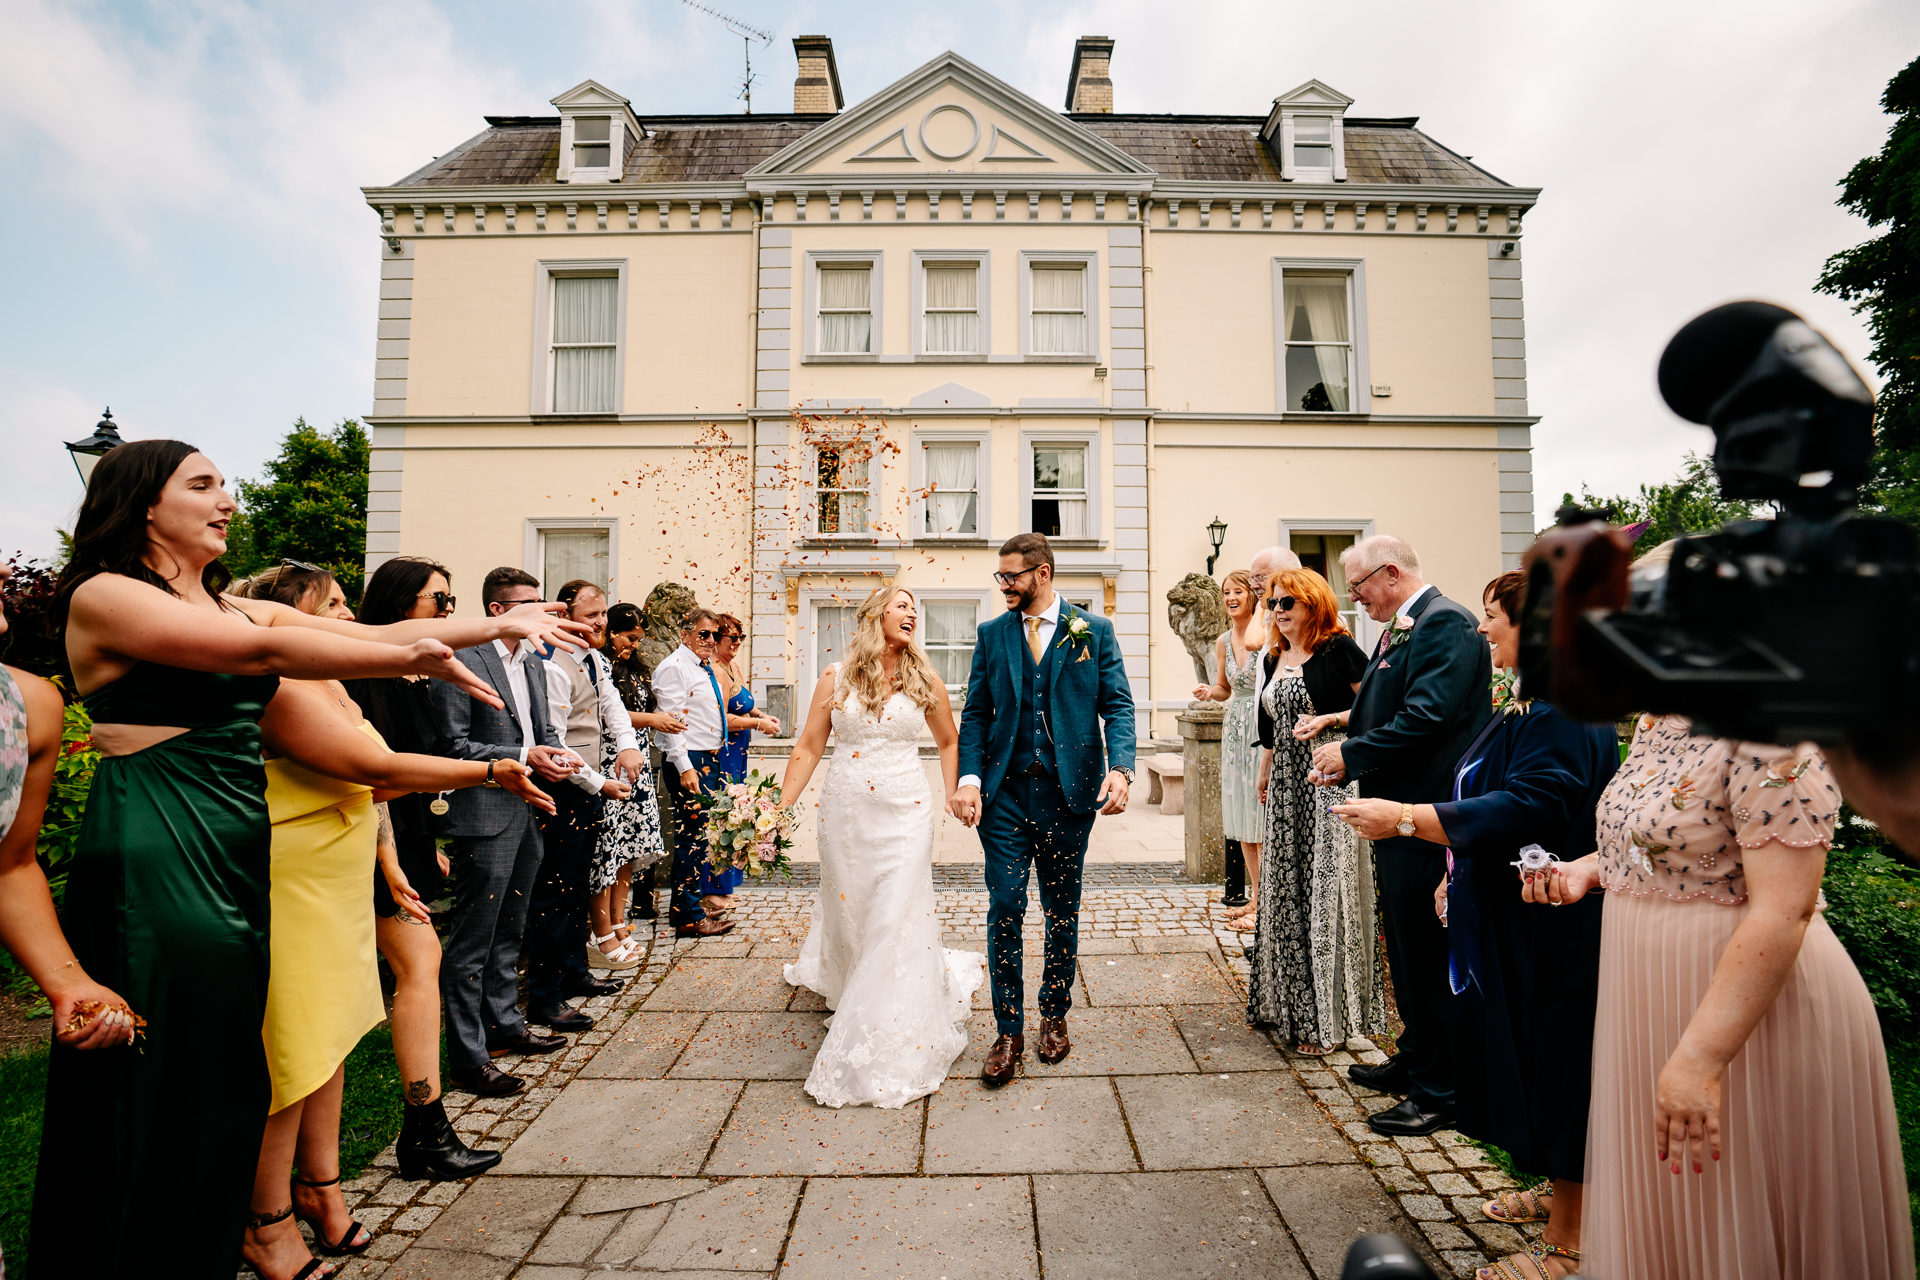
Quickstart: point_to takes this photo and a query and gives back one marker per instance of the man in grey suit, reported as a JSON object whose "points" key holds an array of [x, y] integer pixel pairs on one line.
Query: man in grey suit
{"points": [[496, 848]]}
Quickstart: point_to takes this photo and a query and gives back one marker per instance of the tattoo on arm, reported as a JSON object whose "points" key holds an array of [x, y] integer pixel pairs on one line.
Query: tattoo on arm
{"points": [[419, 1092], [385, 836]]}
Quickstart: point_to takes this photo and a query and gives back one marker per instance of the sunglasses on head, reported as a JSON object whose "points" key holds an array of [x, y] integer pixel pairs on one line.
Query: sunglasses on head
{"points": [[441, 599], [303, 566], [1281, 604]]}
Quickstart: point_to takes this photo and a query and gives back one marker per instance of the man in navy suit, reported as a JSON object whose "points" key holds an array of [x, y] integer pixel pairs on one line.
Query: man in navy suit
{"points": [[1047, 738], [1425, 694]]}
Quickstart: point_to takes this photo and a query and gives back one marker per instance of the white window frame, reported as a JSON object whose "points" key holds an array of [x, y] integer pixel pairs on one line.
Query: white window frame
{"points": [[1090, 301], [534, 554], [616, 138], [1289, 172], [849, 596], [1366, 632], [812, 532], [981, 259], [810, 301], [978, 599], [917, 479], [1359, 387], [545, 272], [1096, 495]]}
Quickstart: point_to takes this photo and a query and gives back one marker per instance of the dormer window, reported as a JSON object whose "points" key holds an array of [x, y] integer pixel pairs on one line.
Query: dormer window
{"points": [[592, 141], [595, 124], [1305, 131], [1313, 147]]}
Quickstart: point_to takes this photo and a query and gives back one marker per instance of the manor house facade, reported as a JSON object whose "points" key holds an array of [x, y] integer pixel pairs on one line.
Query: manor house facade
{"points": [[782, 359]]}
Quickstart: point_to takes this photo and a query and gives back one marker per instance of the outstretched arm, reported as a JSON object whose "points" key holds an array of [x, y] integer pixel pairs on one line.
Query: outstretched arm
{"points": [[542, 622], [811, 744]]}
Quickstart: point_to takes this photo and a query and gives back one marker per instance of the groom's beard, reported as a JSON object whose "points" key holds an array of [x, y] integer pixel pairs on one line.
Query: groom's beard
{"points": [[1023, 602]]}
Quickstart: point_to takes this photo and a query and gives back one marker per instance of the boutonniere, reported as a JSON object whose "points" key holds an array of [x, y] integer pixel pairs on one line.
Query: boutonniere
{"points": [[1504, 684], [1076, 627], [1399, 631]]}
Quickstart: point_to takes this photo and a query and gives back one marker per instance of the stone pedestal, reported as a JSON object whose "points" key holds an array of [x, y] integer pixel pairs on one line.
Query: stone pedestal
{"points": [[1206, 832]]}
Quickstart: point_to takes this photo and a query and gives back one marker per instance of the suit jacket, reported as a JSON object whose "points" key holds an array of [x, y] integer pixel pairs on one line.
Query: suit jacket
{"points": [[1086, 686], [1418, 709], [472, 730]]}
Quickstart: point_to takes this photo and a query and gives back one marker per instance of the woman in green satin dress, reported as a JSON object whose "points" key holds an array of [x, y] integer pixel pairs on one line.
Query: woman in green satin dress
{"points": [[147, 1155]]}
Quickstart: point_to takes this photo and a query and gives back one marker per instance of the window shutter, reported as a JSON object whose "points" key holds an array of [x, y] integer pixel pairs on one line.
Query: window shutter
{"points": [[564, 171]]}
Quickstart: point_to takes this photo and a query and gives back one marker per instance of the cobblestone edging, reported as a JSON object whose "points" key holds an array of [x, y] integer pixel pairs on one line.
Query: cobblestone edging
{"points": [[1440, 1181]]}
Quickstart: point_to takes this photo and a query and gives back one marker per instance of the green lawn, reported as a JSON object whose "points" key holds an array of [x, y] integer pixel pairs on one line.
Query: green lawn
{"points": [[369, 1120]]}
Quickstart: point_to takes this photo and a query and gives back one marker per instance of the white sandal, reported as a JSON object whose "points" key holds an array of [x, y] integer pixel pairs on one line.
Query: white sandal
{"points": [[625, 955]]}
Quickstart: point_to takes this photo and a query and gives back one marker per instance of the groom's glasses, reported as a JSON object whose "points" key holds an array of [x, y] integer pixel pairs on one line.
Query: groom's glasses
{"points": [[1008, 579]]}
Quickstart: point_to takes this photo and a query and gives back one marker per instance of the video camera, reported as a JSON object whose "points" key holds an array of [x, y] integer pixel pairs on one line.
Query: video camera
{"points": [[1805, 626]]}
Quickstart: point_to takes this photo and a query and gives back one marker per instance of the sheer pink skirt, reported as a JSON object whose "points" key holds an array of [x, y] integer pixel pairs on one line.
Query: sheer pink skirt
{"points": [[1810, 1181]]}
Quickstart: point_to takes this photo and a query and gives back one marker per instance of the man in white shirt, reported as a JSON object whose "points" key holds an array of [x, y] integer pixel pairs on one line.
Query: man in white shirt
{"points": [[686, 685], [582, 704]]}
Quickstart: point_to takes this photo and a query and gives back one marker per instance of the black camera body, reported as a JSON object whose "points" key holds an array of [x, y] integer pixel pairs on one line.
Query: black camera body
{"points": [[1806, 626]]}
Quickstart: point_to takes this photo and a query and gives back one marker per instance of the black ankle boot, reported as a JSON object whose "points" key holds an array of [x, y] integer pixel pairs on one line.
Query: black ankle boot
{"points": [[429, 1148]]}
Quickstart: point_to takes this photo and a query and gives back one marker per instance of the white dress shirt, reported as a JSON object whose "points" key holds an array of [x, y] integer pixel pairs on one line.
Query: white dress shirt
{"points": [[612, 714], [1406, 606], [683, 685], [1049, 623], [515, 661]]}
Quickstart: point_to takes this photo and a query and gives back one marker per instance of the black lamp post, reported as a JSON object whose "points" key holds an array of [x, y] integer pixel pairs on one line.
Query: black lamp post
{"points": [[1216, 531], [87, 453]]}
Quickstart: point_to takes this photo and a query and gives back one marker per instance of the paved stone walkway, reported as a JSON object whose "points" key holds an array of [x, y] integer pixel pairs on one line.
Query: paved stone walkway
{"points": [[675, 1139]]}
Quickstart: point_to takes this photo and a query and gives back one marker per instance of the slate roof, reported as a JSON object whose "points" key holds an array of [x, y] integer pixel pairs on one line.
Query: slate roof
{"points": [[525, 150]]}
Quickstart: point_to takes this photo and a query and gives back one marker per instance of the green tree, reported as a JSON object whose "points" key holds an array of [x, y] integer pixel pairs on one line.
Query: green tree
{"points": [[1689, 503], [1881, 278], [311, 506]]}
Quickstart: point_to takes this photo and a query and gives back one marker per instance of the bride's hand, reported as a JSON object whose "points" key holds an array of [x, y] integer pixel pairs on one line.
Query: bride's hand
{"points": [[964, 804]]}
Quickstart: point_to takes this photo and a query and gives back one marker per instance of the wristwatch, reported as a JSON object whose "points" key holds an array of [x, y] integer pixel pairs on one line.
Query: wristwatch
{"points": [[1123, 771], [491, 780], [1405, 826]]}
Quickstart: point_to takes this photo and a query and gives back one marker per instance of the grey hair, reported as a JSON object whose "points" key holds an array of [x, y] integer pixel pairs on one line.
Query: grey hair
{"points": [[1368, 554], [1282, 558], [696, 615]]}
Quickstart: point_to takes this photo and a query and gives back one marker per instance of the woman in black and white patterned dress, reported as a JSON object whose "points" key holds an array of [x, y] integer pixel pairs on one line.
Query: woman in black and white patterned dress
{"points": [[630, 840], [1315, 970]]}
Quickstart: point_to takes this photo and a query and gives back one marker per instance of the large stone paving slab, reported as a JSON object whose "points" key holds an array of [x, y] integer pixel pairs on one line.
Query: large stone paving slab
{"points": [[623, 1127], [696, 984], [777, 1129], [734, 1225], [916, 1228], [1175, 978], [644, 1046], [1221, 1040], [1115, 1226], [1122, 1041], [1213, 1122], [1328, 1207], [601, 1207], [1061, 1125], [753, 1046], [500, 1217]]}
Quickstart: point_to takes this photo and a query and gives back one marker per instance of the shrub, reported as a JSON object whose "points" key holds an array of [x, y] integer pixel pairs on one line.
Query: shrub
{"points": [[1873, 904]]}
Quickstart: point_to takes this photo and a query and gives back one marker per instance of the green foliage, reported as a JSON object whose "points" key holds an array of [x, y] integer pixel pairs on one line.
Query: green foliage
{"points": [[59, 836], [27, 597], [311, 506], [1881, 278], [1873, 904], [23, 1087], [1903, 1063], [1689, 503]]}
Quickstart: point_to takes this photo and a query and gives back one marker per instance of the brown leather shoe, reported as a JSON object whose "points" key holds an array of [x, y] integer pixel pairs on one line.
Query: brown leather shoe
{"points": [[1003, 1060], [1054, 1045], [703, 929]]}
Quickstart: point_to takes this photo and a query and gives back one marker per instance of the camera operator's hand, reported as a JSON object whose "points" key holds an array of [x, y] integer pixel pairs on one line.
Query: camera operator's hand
{"points": [[1561, 882]]}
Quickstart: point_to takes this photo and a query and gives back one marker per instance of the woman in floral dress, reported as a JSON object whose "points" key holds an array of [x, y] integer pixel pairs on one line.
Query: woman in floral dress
{"points": [[630, 840], [1235, 655]]}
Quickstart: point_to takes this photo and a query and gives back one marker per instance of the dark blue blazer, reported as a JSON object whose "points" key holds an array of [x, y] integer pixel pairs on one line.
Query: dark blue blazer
{"points": [[1086, 686]]}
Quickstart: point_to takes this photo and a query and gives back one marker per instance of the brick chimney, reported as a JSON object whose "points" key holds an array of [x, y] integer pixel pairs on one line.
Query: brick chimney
{"points": [[1088, 87], [816, 90]]}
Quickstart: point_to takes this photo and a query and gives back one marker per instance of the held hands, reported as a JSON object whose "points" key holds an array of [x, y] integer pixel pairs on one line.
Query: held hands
{"points": [[1370, 817], [768, 725], [517, 778], [1328, 763], [1114, 791], [964, 804], [431, 658], [1308, 727], [1561, 882], [1686, 1105], [541, 622]]}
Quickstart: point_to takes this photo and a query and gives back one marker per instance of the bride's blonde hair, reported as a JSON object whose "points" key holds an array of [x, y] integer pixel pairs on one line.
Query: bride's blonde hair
{"points": [[861, 670]]}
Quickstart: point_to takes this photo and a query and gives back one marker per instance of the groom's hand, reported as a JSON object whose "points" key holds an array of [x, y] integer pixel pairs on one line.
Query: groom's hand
{"points": [[965, 805], [1114, 791]]}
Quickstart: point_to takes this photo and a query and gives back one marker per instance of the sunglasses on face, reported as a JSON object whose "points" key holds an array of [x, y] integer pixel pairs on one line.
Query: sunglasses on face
{"points": [[1281, 604], [706, 635], [441, 599], [1008, 579]]}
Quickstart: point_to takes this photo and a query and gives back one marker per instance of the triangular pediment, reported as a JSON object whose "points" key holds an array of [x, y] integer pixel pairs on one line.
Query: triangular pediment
{"points": [[587, 95], [1314, 94], [949, 117]]}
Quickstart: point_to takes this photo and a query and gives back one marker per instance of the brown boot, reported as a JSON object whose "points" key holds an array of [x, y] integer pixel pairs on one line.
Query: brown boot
{"points": [[1054, 1045], [1003, 1060]]}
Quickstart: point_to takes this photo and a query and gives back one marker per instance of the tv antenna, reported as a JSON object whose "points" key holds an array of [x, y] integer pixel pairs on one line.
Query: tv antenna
{"points": [[748, 35]]}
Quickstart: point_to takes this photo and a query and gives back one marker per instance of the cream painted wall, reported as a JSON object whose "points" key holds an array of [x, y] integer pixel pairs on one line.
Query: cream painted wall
{"points": [[1211, 308], [472, 341]]}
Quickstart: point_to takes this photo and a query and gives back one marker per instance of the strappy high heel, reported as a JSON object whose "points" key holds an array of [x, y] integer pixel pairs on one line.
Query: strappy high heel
{"points": [[312, 1271], [339, 1249]]}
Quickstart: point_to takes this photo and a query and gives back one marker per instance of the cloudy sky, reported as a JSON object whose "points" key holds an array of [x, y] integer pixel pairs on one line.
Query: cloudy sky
{"points": [[184, 238]]}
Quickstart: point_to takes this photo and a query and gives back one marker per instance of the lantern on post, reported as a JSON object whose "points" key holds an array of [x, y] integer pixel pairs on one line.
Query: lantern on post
{"points": [[1217, 531], [87, 453]]}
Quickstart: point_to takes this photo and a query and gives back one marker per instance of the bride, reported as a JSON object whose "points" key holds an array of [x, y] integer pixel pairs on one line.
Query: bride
{"points": [[900, 999]]}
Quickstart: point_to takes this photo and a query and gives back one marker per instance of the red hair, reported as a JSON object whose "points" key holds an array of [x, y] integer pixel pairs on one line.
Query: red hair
{"points": [[1312, 593]]}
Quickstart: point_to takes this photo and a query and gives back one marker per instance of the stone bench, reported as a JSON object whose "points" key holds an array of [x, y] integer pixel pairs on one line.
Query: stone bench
{"points": [[1166, 783]]}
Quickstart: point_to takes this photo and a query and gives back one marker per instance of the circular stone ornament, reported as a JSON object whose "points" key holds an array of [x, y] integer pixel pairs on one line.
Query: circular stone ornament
{"points": [[935, 151]]}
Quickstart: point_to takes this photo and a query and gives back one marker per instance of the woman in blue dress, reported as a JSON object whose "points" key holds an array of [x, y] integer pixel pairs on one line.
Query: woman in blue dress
{"points": [[730, 763], [1526, 977]]}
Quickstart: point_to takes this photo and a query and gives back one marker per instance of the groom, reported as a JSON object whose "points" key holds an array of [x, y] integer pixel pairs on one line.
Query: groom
{"points": [[1045, 675]]}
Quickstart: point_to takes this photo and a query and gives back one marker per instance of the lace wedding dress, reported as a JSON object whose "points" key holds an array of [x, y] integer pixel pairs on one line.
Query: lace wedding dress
{"points": [[900, 999]]}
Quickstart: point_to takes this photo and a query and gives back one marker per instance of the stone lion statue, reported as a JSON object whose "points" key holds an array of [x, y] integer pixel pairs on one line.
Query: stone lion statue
{"points": [[666, 604], [1197, 612]]}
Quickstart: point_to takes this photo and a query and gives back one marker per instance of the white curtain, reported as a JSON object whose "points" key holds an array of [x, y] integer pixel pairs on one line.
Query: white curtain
{"points": [[1324, 300], [953, 310], [585, 311], [846, 310], [834, 627], [1059, 311], [953, 475], [949, 638], [1060, 476], [574, 553]]}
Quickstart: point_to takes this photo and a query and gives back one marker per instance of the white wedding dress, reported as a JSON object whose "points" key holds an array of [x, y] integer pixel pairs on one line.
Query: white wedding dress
{"points": [[900, 998]]}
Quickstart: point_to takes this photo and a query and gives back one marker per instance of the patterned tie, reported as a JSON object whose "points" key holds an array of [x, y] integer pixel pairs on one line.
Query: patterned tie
{"points": [[1033, 638]]}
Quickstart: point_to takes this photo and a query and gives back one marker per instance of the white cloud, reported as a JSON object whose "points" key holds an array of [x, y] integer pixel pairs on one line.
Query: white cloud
{"points": [[36, 420]]}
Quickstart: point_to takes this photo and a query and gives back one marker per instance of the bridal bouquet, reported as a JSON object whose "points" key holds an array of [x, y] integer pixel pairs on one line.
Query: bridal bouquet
{"points": [[748, 828]]}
